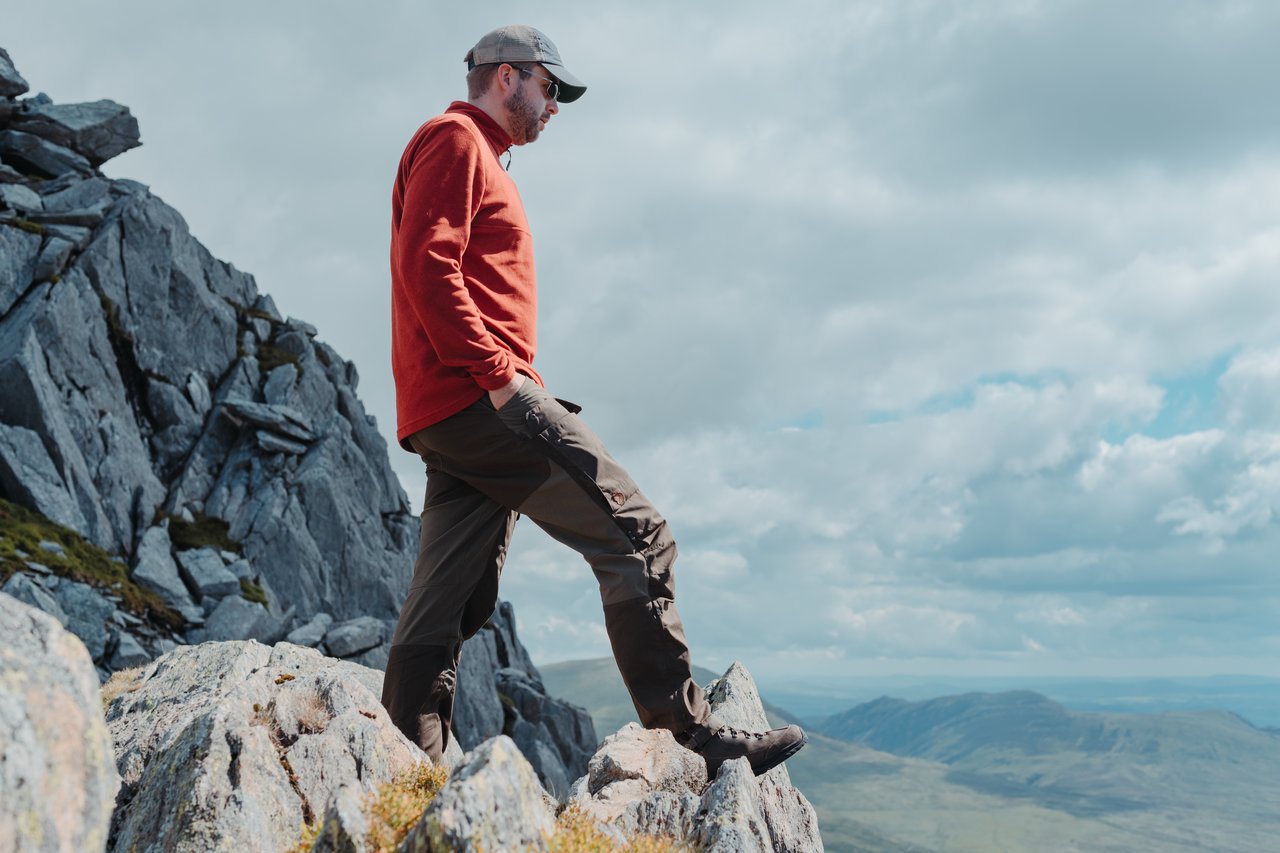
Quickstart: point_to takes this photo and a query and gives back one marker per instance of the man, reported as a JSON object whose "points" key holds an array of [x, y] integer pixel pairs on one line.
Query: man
{"points": [[495, 443]]}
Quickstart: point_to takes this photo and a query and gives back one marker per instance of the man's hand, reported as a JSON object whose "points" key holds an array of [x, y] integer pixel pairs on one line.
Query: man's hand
{"points": [[500, 397]]}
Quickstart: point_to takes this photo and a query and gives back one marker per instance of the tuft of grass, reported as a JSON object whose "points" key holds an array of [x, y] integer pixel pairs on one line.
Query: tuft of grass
{"points": [[392, 810], [251, 590], [22, 531], [30, 227], [204, 532], [121, 681], [576, 832], [397, 806]]}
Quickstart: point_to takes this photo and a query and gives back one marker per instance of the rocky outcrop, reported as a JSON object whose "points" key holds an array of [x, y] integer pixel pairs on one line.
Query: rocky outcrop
{"points": [[643, 781], [236, 745], [57, 774], [145, 385]]}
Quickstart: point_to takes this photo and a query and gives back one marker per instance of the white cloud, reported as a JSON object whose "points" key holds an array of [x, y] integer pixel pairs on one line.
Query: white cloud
{"points": [[876, 302]]}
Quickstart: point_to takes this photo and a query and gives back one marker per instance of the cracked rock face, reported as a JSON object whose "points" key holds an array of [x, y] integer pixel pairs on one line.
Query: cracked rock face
{"points": [[57, 773], [142, 378], [234, 745]]}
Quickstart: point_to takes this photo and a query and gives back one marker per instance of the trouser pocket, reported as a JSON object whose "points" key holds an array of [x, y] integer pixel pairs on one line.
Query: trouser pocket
{"points": [[554, 426]]}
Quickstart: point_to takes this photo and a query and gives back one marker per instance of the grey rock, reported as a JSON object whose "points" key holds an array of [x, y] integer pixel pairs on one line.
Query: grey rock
{"points": [[313, 632], [11, 82], [643, 781], [285, 420], [41, 155], [39, 568], [88, 613], [293, 342], [76, 235], [294, 324], [155, 569], [53, 258], [242, 569], [98, 130], [129, 652], [477, 709], [264, 304], [354, 636], [73, 192], [8, 174], [205, 574], [234, 619], [491, 802], [733, 821], [272, 443], [345, 828], [24, 589], [28, 476], [278, 389], [59, 378], [20, 198], [558, 738], [203, 738], [168, 406], [57, 775], [632, 764], [198, 393], [19, 251], [52, 547]]}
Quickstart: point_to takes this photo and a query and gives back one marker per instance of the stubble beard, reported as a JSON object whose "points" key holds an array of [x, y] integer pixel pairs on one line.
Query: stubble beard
{"points": [[523, 118]]}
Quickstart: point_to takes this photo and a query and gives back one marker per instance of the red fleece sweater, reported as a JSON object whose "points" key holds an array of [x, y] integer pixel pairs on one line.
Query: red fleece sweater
{"points": [[463, 292]]}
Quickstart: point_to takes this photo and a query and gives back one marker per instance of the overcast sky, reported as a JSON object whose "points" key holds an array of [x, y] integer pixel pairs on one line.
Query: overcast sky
{"points": [[946, 336]]}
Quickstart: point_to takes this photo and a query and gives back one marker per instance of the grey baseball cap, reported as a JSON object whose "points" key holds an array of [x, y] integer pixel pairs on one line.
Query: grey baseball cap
{"points": [[521, 43]]}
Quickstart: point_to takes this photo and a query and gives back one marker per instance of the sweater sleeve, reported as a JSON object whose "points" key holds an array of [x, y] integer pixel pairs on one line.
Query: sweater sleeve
{"points": [[442, 194]]}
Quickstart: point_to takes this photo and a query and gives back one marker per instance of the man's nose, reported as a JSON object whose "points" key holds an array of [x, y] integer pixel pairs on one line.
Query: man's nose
{"points": [[553, 107]]}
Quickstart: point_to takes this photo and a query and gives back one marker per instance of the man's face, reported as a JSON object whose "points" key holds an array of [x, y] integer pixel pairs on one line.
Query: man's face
{"points": [[528, 107]]}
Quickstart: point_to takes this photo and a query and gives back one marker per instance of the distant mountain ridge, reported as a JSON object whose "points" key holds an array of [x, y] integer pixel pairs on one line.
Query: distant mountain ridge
{"points": [[1016, 771]]}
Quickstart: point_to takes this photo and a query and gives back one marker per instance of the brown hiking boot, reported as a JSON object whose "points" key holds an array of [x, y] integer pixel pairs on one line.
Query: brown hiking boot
{"points": [[718, 743]]}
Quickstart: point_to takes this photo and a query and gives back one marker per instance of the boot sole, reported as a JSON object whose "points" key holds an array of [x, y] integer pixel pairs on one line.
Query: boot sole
{"points": [[781, 756]]}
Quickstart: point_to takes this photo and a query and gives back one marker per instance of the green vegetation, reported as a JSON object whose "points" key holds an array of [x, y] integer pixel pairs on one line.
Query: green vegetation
{"points": [[29, 226], [253, 591], [22, 531], [202, 532]]}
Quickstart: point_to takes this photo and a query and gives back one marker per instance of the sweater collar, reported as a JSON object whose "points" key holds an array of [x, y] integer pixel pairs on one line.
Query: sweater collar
{"points": [[493, 132]]}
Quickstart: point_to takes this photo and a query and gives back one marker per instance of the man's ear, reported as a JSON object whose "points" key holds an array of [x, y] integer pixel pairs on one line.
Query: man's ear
{"points": [[507, 78]]}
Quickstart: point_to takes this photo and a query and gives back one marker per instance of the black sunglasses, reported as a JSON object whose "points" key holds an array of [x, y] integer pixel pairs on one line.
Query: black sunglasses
{"points": [[553, 87]]}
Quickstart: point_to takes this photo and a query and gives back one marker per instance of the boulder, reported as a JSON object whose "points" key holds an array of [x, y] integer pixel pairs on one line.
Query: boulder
{"points": [[643, 781], [58, 777], [97, 131], [312, 633], [235, 745], [19, 250], [352, 637], [206, 575], [11, 82], [29, 592], [492, 802], [155, 569], [40, 155]]}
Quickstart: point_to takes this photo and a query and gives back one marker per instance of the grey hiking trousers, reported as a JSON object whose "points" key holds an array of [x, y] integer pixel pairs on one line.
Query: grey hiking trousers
{"points": [[534, 457]]}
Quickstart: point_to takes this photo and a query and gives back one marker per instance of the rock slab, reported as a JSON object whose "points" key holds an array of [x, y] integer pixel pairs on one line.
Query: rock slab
{"points": [[57, 773], [235, 745], [644, 782]]}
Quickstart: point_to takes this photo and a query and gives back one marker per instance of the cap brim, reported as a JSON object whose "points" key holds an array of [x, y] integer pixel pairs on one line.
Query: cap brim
{"points": [[571, 88]]}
